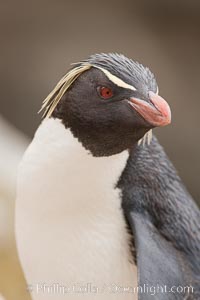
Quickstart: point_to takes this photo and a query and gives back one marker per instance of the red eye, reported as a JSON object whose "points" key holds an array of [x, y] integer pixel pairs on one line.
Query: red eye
{"points": [[105, 92]]}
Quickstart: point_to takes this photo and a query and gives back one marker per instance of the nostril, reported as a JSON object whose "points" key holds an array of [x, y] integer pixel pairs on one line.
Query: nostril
{"points": [[150, 96]]}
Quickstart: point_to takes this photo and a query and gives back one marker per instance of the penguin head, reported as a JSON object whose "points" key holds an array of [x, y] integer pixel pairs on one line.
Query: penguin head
{"points": [[109, 102]]}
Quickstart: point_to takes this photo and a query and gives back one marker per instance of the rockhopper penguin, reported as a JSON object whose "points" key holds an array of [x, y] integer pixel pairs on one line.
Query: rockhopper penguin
{"points": [[100, 209]]}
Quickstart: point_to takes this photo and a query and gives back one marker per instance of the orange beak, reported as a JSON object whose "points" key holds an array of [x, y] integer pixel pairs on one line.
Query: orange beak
{"points": [[157, 114]]}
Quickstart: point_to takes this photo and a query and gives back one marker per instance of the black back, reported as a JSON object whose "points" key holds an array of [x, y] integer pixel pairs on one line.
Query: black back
{"points": [[164, 220]]}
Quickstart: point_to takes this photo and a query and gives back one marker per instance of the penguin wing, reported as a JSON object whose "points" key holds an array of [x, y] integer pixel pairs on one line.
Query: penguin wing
{"points": [[161, 270]]}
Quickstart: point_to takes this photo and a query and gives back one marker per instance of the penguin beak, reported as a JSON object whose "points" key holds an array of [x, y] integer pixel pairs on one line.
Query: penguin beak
{"points": [[157, 112]]}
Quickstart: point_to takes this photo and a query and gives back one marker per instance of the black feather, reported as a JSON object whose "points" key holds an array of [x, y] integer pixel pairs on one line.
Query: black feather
{"points": [[125, 68], [153, 192]]}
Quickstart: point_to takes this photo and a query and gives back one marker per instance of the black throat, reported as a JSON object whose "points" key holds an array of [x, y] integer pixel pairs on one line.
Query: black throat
{"points": [[101, 141]]}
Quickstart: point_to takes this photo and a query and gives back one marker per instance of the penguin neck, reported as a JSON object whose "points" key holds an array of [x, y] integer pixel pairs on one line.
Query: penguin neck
{"points": [[74, 172], [100, 139]]}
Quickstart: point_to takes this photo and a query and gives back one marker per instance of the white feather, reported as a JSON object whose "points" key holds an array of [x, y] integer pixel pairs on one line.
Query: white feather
{"points": [[146, 139], [116, 80], [70, 227]]}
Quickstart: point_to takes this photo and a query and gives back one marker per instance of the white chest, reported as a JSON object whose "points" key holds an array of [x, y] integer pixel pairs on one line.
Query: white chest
{"points": [[70, 229]]}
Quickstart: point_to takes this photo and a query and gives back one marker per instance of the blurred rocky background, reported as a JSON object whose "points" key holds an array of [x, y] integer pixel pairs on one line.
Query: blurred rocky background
{"points": [[40, 38]]}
